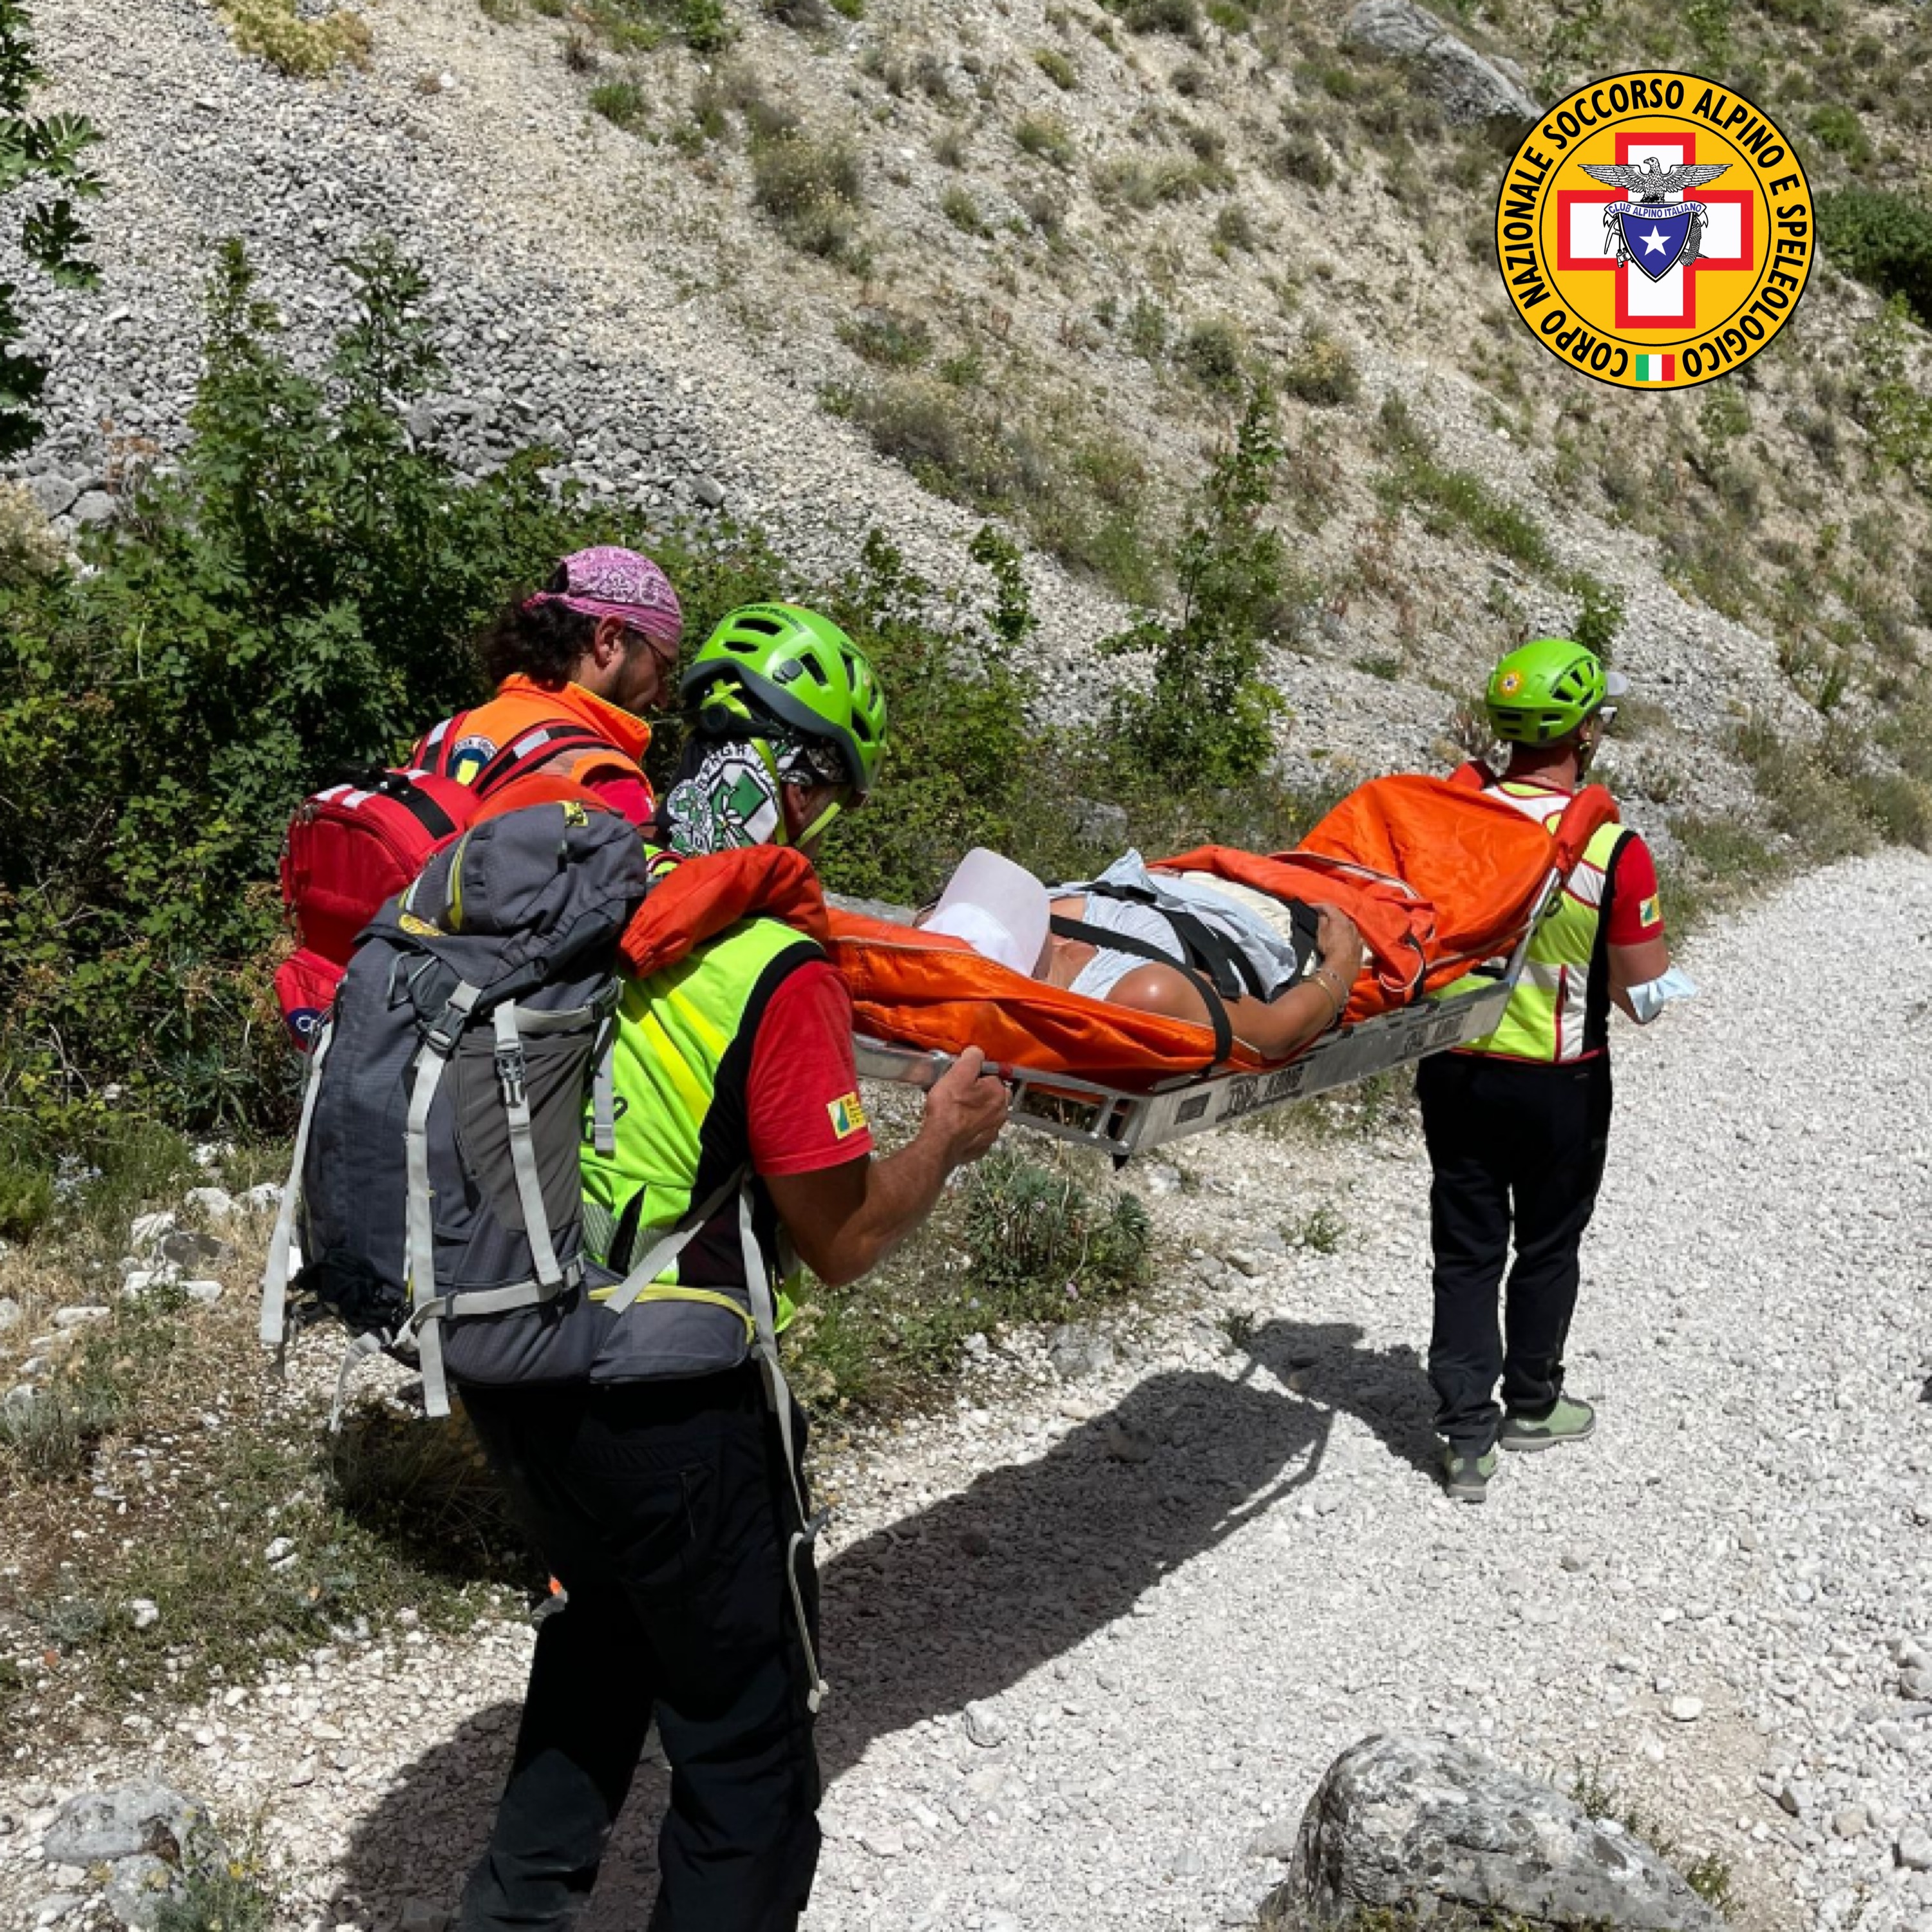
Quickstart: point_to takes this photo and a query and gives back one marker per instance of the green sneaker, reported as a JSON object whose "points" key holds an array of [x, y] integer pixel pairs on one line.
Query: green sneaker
{"points": [[1465, 1473], [1569, 1421]]}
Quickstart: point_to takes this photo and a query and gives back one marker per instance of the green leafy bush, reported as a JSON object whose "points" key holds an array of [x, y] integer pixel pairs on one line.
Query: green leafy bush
{"points": [[289, 40], [886, 338], [1207, 717], [1045, 137], [1882, 238], [1057, 67], [1838, 127], [959, 208], [1214, 352], [47, 150], [1893, 408], [1301, 156], [1599, 614], [1160, 16], [1321, 371], [1038, 1238], [1081, 496], [812, 190], [620, 102]]}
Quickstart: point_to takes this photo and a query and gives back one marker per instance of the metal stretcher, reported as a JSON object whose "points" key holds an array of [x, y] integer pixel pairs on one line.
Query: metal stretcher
{"points": [[1123, 1123]]}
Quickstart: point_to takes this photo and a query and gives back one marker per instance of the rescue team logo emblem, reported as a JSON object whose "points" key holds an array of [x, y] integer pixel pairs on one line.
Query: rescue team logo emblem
{"points": [[847, 1116], [1654, 230]]}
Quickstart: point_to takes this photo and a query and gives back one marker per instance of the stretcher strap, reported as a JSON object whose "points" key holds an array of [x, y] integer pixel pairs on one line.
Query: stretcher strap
{"points": [[802, 1544], [1140, 949], [1220, 959]]}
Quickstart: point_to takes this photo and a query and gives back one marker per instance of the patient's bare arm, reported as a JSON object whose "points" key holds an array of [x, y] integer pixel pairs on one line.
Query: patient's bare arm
{"points": [[1274, 1028]]}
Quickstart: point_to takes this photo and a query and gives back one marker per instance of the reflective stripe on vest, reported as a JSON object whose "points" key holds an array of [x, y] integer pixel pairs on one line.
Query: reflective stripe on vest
{"points": [[674, 1030], [519, 707], [1548, 1015]]}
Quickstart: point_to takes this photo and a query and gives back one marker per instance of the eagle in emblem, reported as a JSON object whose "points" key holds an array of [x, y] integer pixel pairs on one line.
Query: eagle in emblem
{"points": [[1648, 187], [1653, 181]]}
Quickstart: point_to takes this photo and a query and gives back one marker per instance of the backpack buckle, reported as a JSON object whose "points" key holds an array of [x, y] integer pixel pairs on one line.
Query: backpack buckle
{"points": [[510, 1073]]}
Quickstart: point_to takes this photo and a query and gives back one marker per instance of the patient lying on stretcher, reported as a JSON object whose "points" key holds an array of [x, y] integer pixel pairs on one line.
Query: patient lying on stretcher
{"points": [[1275, 974]]}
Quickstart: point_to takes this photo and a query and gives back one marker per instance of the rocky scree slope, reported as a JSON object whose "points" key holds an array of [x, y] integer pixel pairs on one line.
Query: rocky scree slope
{"points": [[1067, 241]]}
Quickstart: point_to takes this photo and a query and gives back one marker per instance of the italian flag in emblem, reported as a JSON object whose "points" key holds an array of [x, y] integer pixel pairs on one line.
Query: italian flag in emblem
{"points": [[1656, 368]]}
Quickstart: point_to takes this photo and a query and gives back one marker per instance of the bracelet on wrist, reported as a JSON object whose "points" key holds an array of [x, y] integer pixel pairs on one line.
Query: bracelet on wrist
{"points": [[1335, 1001]]}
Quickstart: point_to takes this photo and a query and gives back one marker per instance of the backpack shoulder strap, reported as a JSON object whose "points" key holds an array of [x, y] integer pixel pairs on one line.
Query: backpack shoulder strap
{"points": [[535, 747], [430, 752]]}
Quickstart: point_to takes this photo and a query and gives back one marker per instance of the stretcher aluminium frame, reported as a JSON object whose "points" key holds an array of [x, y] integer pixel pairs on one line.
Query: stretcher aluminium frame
{"points": [[1124, 1123]]}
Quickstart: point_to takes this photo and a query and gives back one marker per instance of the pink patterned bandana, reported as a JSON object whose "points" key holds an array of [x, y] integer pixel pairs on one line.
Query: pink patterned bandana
{"points": [[607, 582]]}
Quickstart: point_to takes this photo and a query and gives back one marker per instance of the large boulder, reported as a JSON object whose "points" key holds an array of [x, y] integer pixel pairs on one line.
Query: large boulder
{"points": [[1468, 87], [1427, 1828], [145, 1815]]}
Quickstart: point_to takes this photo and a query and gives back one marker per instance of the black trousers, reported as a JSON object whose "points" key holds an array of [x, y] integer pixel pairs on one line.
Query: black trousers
{"points": [[663, 1509], [1515, 1148]]}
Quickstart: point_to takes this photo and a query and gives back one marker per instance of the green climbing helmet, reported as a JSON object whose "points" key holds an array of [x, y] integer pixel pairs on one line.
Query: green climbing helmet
{"points": [[1542, 691], [777, 661]]}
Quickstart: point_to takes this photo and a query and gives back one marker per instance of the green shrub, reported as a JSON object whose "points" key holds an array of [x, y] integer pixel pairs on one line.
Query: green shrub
{"points": [[1046, 138], [1235, 228], [1208, 718], [26, 1198], [1057, 67], [1147, 329], [812, 190], [1894, 409], [1037, 1239], [620, 102], [963, 752], [1321, 371], [1079, 499], [959, 208], [891, 340], [45, 152], [1214, 352], [285, 38], [1882, 238], [1840, 129], [1599, 614], [1142, 182], [1160, 16], [216, 1893]]}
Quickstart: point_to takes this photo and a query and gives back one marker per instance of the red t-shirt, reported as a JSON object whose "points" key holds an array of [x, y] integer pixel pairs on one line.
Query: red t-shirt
{"points": [[801, 1093], [1636, 912], [631, 796]]}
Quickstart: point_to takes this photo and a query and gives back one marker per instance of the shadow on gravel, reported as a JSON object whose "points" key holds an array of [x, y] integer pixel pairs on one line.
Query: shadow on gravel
{"points": [[958, 1602]]}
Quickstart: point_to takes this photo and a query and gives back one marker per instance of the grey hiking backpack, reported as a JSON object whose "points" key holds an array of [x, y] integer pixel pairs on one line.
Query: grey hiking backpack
{"points": [[436, 1173]]}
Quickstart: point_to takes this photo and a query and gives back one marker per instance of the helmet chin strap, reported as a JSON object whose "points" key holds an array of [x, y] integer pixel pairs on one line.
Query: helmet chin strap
{"points": [[781, 784], [821, 822]]}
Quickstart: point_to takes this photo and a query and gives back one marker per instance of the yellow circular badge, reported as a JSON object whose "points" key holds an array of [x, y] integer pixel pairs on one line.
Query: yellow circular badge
{"points": [[1654, 230]]}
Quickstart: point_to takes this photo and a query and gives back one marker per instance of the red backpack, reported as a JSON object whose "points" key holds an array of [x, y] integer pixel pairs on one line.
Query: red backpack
{"points": [[353, 847]]}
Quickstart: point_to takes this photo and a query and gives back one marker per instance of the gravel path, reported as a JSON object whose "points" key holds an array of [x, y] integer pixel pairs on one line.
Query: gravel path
{"points": [[1094, 1641]]}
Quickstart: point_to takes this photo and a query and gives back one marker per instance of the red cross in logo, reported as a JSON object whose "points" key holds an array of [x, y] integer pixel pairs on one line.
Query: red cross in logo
{"points": [[1671, 302]]}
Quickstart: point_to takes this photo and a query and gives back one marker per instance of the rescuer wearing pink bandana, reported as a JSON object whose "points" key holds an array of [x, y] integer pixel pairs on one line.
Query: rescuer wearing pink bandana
{"points": [[578, 660]]}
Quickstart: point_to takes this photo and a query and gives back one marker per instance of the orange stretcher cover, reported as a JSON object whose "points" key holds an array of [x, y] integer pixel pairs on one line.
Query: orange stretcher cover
{"points": [[1437, 876]]}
